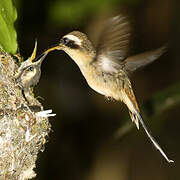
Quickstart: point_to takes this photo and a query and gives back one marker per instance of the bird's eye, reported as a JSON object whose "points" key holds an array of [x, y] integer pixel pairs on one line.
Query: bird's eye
{"points": [[31, 68], [69, 43], [65, 41]]}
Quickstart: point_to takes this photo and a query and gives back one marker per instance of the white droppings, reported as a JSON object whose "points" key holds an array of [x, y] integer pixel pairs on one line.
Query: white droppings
{"points": [[46, 113], [28, 136], [27, 117]]}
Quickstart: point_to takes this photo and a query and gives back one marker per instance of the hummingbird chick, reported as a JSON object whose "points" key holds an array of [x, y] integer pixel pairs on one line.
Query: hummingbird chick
{"points": [[29, 72], [106, 68]]}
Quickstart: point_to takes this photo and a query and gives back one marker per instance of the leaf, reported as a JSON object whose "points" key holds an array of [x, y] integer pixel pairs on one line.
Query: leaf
{"points": [[73, 13], [8, 36]]}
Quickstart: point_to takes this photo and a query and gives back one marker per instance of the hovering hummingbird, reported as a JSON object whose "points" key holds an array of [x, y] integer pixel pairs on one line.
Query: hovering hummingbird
{"points": [[106, 68]]}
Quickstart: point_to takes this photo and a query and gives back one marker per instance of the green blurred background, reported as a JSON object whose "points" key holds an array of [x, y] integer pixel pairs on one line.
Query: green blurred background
{"points": [[82, 145]]}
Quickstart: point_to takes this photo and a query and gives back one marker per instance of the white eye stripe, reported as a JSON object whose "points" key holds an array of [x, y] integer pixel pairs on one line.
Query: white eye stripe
{"points": [[74, 38]]}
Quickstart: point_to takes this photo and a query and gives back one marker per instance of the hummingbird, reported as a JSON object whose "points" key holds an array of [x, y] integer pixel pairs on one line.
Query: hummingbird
{"points": [[29, 72], [106, 68]]}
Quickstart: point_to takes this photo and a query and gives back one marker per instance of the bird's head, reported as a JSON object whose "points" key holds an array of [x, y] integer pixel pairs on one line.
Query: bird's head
{"points": [[77, 46], [29, 71]]}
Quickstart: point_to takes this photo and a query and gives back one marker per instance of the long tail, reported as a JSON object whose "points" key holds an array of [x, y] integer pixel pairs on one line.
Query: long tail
{"points": [[138, 115], [129, 99]]}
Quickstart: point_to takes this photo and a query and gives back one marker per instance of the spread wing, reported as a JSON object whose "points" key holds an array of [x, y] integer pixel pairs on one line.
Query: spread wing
{"points": [[113, 43], [112, 48], [140, 60]]}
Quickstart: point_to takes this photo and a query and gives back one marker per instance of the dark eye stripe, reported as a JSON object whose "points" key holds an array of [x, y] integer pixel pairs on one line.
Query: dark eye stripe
{"points": [[65, 40], [69, 43], [72, 45]]}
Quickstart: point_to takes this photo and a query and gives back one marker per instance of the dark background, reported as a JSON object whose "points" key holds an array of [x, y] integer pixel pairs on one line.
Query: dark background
{"points": [[81, 144]]}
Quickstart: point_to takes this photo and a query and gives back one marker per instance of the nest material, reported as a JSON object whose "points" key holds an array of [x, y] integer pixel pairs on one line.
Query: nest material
{"points": [[22, 132]]}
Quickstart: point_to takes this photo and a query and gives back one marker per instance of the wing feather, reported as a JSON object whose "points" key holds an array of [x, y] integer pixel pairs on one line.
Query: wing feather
{"points": [[113, 46], [114, 41], [140, 60]]}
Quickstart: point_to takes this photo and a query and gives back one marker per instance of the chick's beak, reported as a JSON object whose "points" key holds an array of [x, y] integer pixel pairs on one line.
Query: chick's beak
{"points": [[33, 56], [40, 58]]}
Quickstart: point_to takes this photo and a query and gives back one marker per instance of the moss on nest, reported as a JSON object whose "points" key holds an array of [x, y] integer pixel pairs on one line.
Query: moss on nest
{"points": [[22, 133]]}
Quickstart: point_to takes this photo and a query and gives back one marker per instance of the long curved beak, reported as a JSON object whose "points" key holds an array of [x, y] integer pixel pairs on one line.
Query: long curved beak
{"points": [[57, 47]]}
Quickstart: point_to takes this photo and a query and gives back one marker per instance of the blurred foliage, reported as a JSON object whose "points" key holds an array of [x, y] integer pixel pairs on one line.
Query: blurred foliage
{"points": [[72, 12], [161, 102], [8, 36], [167, 98]]}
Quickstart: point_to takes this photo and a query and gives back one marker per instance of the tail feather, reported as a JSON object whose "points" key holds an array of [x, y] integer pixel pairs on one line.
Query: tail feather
{"points": [[127, 96], [129, 99], [155, 143], [134, 119]]}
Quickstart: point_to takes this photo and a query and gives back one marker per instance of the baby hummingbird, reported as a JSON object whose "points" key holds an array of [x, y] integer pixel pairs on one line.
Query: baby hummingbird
{"points": [[29, 72], [106, 68]]}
